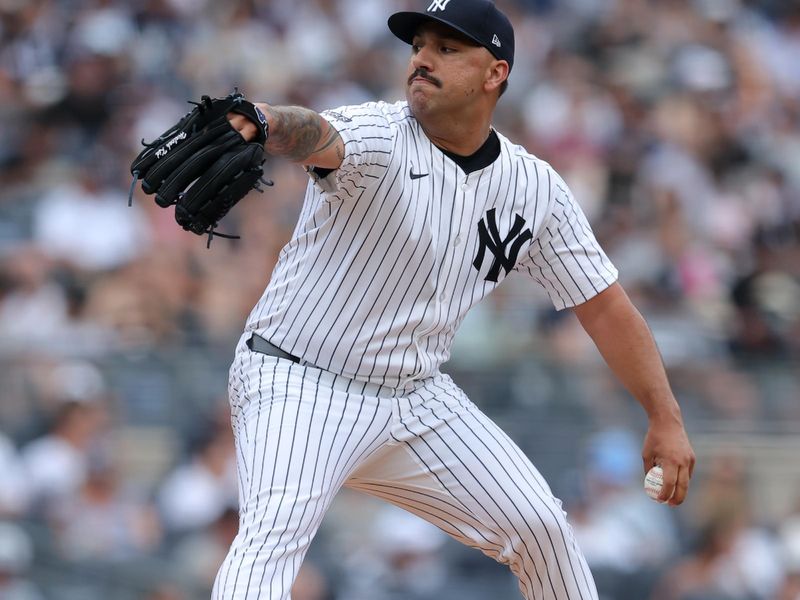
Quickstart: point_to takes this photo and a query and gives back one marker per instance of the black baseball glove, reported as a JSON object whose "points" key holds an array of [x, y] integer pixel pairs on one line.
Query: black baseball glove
{"points": [[202, 165]]}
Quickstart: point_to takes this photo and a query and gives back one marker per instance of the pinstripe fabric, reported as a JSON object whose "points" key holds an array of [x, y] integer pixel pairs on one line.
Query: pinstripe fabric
{"points": [[303, 433], [379, 272], [297, 440]]}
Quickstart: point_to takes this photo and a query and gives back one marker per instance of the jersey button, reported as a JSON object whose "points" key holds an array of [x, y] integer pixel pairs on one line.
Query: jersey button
{"points": [[442, 297], [465, 187], [457, 241]]}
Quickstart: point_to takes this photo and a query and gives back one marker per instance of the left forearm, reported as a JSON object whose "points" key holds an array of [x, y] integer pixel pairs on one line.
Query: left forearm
{"points": [[300, 134], [623, 338]]}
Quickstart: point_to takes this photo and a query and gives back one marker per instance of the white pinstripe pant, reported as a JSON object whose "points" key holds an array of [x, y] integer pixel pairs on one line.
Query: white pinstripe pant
{"points": [[302, 433]]}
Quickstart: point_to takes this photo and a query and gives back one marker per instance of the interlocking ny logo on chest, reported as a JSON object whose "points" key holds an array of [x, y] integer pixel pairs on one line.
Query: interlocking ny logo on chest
{"points": [[504, 249]]}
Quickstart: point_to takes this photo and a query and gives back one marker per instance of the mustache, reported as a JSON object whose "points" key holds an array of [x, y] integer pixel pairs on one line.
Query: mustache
{"points": [[423, 73]]}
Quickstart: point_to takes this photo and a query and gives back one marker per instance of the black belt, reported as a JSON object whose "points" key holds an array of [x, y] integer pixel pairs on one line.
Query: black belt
{"points": [[256, 343]]}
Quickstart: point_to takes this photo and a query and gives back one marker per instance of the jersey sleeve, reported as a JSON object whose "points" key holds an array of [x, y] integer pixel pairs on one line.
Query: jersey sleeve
{"points": [[368, 140], [565, 257]]}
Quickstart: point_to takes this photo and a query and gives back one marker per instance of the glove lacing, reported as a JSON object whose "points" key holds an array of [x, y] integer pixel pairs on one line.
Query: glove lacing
{"points": [[212, 230]]}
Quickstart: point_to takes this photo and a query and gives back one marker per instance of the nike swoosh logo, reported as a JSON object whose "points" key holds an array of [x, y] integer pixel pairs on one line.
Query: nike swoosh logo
{"points": [[416, 175]]}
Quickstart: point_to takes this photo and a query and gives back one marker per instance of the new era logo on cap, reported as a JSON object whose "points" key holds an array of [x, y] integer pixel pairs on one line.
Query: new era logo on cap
{"points": [[496, 41]]}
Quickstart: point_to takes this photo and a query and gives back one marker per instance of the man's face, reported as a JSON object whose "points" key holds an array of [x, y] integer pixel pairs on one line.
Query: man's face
{"points": [[446, 72]]}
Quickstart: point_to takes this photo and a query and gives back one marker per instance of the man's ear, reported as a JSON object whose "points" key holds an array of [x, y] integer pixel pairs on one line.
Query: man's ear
{"points": [[496, 74]]}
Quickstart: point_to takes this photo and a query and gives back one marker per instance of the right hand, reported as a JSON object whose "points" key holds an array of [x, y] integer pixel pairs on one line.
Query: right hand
{"points": [[667, 444]]}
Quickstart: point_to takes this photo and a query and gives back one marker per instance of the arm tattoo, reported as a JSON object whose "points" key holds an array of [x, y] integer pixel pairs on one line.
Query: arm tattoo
{"points": [[298, 133]]}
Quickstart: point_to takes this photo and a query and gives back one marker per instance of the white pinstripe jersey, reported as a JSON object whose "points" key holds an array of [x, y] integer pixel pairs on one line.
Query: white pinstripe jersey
{"points": [[392, 249]]}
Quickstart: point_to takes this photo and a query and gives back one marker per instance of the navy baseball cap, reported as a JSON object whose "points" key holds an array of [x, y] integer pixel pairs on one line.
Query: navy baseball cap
{"points": [[479, 20]]}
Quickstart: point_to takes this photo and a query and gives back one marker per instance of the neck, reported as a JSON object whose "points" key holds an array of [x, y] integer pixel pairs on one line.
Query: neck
{"points": [[459, 135]]}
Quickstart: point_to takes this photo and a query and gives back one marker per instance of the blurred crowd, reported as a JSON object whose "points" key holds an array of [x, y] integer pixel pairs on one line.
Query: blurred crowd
{"points": [[675, 122]]}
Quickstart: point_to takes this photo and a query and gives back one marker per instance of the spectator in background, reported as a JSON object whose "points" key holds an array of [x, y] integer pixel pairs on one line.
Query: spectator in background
{"points": [[400, 560], [731, 561], [790, 590], [789, 539], [16, 556], [703, 575], [44, 306], [166, 591], [198, 555], [32, 303], [85, 221], [57, 463], [625, 536], [14, 493], [311, 584], [103, 521], [198, 492], [766, 301]]}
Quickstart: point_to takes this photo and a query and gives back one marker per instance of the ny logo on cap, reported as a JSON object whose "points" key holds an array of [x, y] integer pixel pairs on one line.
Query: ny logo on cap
{"points": [[438, 5]]}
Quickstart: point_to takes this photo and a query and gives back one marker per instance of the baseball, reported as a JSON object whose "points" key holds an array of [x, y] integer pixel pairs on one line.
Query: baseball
{"points": [[653, 482]]}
